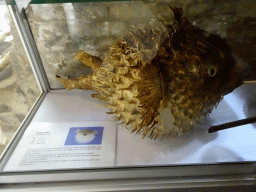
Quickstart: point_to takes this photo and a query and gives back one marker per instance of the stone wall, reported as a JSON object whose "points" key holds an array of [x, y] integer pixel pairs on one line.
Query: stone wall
{"points": [[60, 30]]}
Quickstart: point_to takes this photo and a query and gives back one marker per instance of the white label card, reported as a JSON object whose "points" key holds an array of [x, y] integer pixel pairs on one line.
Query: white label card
{"points": [[46, 146]]}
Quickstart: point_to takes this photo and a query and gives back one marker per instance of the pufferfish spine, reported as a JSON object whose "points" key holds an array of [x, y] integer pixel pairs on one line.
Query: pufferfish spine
{"points": [[152, 74]]}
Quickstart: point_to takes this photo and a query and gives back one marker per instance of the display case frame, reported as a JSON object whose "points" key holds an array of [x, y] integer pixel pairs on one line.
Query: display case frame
{"points": [[219, 175], [38, 71]]}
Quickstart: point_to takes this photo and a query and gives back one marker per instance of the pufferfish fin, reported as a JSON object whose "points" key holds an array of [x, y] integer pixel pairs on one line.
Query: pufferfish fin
{"points": [[89, 60], [149, 93]]}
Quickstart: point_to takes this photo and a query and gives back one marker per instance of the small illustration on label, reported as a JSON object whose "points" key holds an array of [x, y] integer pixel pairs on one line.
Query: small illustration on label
{"points": [[84, 136]]}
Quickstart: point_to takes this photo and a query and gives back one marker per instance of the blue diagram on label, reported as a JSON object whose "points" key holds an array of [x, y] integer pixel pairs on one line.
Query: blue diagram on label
{"points": [[84, 136]]}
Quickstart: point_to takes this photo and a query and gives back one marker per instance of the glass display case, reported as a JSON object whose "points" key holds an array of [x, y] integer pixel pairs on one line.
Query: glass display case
{"points": [[66, 138]]}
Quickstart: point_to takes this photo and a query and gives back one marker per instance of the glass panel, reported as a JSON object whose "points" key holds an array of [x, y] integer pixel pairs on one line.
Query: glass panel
{"points": [[61, 30], [19, 89]]}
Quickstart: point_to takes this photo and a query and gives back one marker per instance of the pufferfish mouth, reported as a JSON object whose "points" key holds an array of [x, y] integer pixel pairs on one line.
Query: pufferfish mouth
{"points": [[239, 73]]}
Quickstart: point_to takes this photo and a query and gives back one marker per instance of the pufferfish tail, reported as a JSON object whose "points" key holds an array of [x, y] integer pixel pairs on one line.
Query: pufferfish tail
{"points": [[89, 60], [85, 81]]}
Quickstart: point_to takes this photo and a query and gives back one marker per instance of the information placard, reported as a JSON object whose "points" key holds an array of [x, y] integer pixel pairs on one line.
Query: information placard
{"points": [[65, 145]]}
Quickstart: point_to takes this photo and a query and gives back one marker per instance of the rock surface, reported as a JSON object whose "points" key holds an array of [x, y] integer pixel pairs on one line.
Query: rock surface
{"points": [[60, 30]]}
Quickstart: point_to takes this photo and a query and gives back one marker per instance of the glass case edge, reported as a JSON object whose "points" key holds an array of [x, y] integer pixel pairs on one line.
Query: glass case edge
{"points": [[183, 185], [71, 1], [10, 2], [30, 48], [15, 139], [231, 171]]}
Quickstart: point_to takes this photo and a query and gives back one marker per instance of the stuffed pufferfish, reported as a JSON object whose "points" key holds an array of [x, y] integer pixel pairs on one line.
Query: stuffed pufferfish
{"points": [[161, 88]]}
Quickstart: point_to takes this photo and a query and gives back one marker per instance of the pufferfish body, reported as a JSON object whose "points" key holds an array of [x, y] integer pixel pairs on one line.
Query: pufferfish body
{"points": [[161, 82]]}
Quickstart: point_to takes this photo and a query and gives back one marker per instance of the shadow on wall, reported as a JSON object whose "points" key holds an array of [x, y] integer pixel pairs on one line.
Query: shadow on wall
{"points": [[219, 154]]}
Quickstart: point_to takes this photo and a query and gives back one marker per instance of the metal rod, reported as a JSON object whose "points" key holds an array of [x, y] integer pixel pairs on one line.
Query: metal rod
{"points": [[232, 124], [250, 82]]}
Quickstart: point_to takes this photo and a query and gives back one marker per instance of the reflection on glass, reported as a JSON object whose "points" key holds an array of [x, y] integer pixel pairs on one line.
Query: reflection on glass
{"points": [[60, 30], [18, 86]]}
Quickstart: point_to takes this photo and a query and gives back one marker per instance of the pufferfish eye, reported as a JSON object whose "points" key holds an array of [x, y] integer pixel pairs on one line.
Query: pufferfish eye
{"points": [[212, 71]]}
